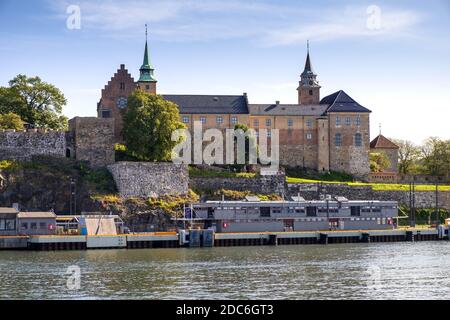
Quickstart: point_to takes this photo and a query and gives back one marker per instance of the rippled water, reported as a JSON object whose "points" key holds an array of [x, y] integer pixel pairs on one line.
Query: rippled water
{"points": [[346, 271]]}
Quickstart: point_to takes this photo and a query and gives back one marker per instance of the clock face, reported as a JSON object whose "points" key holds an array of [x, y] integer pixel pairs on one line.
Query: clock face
{"points": [[122, 102]]}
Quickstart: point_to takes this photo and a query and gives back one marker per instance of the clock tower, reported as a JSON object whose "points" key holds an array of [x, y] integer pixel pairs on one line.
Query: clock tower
{"points": [[147, 81], [309, 88]]}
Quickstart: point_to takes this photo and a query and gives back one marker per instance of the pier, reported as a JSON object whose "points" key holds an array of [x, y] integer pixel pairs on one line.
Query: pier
{"points": [[206, 238]]}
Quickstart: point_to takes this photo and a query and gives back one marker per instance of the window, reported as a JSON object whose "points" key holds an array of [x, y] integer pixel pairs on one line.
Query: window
{"points": [[147, 87], [358, 120], [264, 212], [309, 123], [234, 120], [311, 211], [348, 121], [358, 140], [122, 86], [310, 92], [10, 224], [309, 136], [203, 120], [33, 225], [268, 122], [256, 123], [338, 121], [269, 133], [185, 119], [290, 122], [42, 225], [106, 113], [24, 226], [355, 211], [219, 120], [338, 140]]}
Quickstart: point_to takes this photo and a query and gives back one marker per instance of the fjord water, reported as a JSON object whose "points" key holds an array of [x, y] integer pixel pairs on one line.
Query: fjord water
{"points": [[346, 271]]}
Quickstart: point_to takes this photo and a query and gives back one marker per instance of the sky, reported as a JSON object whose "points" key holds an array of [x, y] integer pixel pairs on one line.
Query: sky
{"points": [[392, 57]]}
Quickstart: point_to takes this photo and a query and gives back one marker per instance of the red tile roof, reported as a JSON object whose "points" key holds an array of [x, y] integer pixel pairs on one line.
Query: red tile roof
{"points": [[381, 142]]}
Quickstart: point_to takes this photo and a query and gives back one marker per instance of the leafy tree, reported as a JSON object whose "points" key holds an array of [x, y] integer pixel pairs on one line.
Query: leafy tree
{"points": [[11, 121], [436, 156], [408, 155], [35, 101], [379, 162], [148, 123]]}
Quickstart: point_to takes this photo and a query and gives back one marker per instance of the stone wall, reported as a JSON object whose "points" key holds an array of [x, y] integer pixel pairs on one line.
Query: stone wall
{"points": [[146, 179], [262, 185], [22, 145], [92, 140], [424, 199]]}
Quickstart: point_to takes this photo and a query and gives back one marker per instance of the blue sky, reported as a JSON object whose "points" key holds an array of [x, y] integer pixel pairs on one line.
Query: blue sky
{"points": [[392, 58]]}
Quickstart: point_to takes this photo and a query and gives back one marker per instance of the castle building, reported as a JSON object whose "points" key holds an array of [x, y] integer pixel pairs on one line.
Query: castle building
{"points": [[330, 133]]}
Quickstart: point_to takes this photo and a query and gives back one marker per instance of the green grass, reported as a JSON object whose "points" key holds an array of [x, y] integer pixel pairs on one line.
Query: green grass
{"points": [[204, 173], [375, 186]]}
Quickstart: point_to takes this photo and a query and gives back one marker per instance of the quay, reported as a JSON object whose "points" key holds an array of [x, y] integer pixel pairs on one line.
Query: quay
{"points": [[207, 238]]}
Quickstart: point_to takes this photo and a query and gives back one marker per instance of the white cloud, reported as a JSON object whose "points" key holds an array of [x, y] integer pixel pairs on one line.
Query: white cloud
{"points": [[350, 23], [266, 23]]}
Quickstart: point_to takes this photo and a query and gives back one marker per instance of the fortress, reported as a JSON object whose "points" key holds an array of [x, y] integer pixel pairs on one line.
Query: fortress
{"points": [[329, 133]]}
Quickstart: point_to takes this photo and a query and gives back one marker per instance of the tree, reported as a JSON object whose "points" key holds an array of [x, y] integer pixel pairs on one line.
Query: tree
{"points": [[379, 162], [36, 102], [11, 121], [436, 156], [408, 155], [249, 141], [148, 123]]}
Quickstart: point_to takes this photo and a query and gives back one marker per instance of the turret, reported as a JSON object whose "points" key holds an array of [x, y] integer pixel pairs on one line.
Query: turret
{"points": [[309, 88]]}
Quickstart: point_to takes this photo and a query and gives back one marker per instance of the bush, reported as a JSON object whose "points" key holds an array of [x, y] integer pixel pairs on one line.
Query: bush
{"points": [[424, 215], [9, 165], [205, 173]]}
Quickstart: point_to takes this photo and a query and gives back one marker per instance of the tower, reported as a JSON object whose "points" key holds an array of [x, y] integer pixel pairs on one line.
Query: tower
{"points": [[309, 88], [147, 81]]}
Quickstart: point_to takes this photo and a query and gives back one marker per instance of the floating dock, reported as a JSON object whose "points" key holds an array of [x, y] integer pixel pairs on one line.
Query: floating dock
{"points": [[206, 238]]}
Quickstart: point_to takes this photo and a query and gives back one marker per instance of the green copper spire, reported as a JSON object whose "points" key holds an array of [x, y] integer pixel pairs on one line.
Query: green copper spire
{"points": [[146, 68]]}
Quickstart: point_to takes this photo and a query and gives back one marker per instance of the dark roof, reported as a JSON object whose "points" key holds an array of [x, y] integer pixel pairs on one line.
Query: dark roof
{"points": [[342, 102], [308, 66], [381, 142], [193, 104], [287, 109]]}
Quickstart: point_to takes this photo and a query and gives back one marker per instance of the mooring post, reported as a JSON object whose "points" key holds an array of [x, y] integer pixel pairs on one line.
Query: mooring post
{"points": [[323, 238], [365, 237]]}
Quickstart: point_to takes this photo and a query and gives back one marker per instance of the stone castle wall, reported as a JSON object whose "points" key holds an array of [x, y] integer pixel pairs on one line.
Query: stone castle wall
{"points": [[150, 179], [92, 140], [259, 185], [22, 145]]}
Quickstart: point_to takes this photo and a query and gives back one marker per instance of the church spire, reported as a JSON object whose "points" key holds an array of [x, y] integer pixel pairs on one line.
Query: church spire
{"points": [[309, 88], [308, 65], [146, 68]]}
